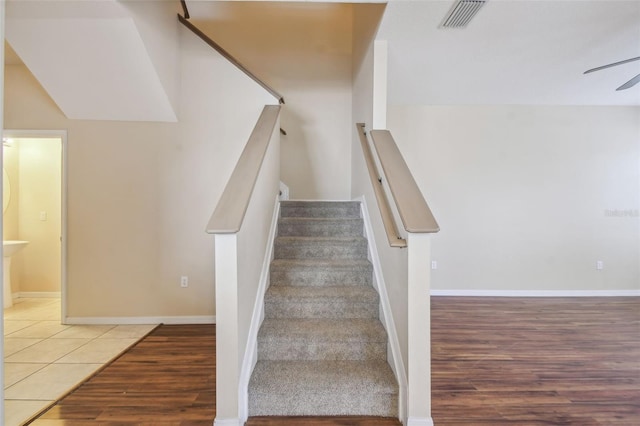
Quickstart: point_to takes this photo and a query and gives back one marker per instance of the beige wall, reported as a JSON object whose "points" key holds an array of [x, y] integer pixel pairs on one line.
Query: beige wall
{"points": [[140, 194], [304, 51], [522, 194]]}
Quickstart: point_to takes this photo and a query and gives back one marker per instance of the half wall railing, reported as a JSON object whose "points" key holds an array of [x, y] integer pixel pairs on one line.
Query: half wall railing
{"points": [[403, 276], [414, 211]]}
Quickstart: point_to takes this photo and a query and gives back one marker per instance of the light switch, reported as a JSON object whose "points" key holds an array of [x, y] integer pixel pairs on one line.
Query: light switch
{"points": [[43, 216]]}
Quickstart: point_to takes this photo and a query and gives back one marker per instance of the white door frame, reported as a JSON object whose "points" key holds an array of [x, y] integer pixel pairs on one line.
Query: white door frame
{"points": [[62, 135]]}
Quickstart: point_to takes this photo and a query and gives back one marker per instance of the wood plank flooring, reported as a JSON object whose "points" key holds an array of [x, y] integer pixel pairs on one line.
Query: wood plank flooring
{"points": [[496, 361], [535, 361], [168, 378]]}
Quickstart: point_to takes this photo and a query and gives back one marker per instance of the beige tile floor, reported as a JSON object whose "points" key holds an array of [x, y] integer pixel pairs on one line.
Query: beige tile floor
{"points": [[44, 359]]}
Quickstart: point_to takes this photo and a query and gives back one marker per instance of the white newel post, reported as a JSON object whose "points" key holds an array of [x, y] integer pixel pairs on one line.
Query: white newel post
{"points": [[419, 320], [228, 368]]}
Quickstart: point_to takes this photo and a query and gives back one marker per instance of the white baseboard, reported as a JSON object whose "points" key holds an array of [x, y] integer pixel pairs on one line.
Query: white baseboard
{"points": [[251, 351], [536, 293], [227, 422], [36, 294], [204, 319], [420, 421], [387, 318]]}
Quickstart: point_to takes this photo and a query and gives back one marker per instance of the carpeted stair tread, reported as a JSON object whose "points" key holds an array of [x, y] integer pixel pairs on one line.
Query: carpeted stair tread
{"points": [[351, 294], [320, 227], [321, 302], [343, 209], [320, 272], [322, 339], [320, 247], [295, 388], [321, 347], [344, 330]]}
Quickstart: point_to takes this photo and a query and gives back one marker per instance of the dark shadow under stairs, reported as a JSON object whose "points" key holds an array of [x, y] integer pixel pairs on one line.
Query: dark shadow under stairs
{"points": [[322, 350]]}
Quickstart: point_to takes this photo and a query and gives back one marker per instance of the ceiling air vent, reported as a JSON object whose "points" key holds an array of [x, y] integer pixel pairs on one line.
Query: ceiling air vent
{"points": [[462, 12]]}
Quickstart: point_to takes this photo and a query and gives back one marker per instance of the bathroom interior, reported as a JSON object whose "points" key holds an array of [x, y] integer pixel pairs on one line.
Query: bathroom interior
{"points": [[32, 222]]}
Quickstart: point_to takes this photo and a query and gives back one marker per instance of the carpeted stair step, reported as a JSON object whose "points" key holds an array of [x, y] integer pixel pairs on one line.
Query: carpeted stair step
{"points": [[320, 227], [322, 339], [320, 272], [327, 388], [321, 348], [320, 248], [342, 209], [321, 302]]}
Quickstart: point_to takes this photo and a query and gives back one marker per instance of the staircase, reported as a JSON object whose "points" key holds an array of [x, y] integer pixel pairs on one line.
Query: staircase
{"points": [[321, 348]]}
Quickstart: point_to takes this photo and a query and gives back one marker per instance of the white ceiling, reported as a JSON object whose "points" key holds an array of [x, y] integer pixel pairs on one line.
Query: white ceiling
{"points": [[528, 52], [90, 57]]}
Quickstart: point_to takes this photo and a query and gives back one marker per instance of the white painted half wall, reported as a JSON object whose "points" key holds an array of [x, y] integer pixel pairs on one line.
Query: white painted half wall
{"points": [[528, 198]]}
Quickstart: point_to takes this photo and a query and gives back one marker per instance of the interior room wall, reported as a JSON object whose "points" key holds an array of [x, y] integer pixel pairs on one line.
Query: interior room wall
{"points": [[39, 215], [528, 198], [140, 194], [304, 51]]}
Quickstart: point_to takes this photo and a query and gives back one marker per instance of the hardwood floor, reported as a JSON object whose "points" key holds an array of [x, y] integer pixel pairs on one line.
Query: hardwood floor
{"points": [[495, 362], [535, 361], [166, 379]]}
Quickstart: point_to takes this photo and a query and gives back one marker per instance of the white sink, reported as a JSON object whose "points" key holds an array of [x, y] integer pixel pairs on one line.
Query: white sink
{"points": [[11, 247]]}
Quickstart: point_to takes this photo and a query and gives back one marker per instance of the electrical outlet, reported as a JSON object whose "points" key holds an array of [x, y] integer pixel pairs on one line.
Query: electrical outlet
{"points": [[599, 265], [184, 281], [434, 264]]}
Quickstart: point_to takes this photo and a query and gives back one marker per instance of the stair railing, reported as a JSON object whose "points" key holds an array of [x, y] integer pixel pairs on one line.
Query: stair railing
{"points": [[184, 20], [414, 212], [414, 379], [229, 214], [242, 224]]}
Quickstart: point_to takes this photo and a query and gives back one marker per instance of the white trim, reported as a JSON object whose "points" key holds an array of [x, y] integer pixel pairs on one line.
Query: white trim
{"points": [[284, 191], [311, 200], [227, 422], [251, 351], [36, 294], [397, 365], [203, 319], [420, 421], [537, 293]]}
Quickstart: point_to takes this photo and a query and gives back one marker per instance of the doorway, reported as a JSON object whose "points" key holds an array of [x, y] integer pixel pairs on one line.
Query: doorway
{"points": [[34, 200]]}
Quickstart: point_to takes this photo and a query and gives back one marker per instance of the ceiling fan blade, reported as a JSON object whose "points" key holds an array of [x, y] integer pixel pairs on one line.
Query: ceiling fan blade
{"points": [[612, 65], [635, 80]]}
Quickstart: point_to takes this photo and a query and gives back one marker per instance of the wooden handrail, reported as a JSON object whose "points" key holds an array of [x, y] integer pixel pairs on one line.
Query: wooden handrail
{"points": [[390, 227], [413, 209], [229, 57], [229, 214], [183, 3]]}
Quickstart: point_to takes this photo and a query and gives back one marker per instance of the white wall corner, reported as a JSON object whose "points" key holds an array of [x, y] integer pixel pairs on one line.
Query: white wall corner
{"points": [[251, 352], [396, 363], [380, 69]]}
